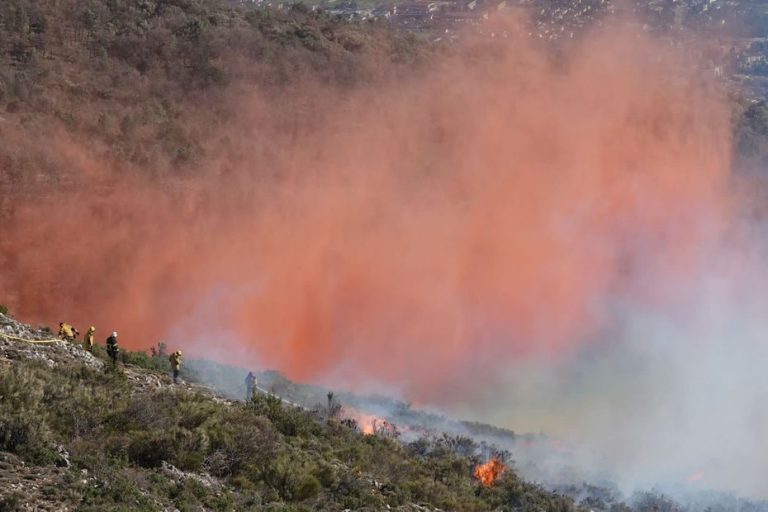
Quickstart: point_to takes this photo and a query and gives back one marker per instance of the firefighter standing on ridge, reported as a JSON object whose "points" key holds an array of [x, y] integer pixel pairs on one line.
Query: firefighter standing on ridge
{"points": [[112, 348], [175, 360], [250, 385], [67, 332], [88, 339]]}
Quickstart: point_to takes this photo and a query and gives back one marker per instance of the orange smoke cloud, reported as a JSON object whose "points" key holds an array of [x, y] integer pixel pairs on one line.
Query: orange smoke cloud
{"points": [[414, 234]]}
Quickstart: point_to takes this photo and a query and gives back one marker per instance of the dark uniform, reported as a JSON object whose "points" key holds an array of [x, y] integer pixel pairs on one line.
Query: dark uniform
{"points": [[112, 348]]}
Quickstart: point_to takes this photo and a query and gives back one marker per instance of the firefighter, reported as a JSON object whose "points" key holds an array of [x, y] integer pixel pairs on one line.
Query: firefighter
{"points": [[175, 360], [250, 385], [112, 348], [67, 332], [88, 339]]}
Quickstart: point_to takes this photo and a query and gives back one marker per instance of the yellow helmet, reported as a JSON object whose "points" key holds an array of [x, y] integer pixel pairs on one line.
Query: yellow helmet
{"points": [[91, 328]]}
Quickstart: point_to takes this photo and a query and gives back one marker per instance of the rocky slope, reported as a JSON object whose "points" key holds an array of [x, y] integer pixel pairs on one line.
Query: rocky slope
{"points": [[78, 434]]}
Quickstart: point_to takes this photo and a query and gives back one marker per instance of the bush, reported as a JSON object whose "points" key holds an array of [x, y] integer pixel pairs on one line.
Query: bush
{"points": [[27, 436], [292, 478], [24, 428], [306, 487], [12, 503], [266, 454], [151, 449], [287, 420], [240, 443], [158, 360]]}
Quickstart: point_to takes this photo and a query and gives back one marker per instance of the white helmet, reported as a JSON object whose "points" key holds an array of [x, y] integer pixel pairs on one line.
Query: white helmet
{"points": [[114, 334]]}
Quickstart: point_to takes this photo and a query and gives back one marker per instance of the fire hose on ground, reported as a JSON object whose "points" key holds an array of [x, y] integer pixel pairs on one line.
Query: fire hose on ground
{"points": [[57, 340], [8, 336]]}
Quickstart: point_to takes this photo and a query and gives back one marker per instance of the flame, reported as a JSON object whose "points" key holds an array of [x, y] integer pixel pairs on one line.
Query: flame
{"points": [[490, 472], [695, 477], [367, 423], [373, 425]]}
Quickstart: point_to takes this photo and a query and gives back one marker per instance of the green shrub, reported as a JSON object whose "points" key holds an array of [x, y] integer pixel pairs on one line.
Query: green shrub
{"points": [[326, 474], [27, 436], [183, 448], [144, 360], [292, 478], [288, 420], [150, 449], [306, 487], [118, 491], [3, 309], [240, 442], [13, 503], [24, 427]]}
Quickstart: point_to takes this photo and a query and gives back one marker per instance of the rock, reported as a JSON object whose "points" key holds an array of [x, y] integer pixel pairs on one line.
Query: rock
{"points": [[179, 475], [22, 345]]}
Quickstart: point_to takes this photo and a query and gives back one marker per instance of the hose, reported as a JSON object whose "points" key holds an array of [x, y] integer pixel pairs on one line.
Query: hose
{"points": [[8, 336]]}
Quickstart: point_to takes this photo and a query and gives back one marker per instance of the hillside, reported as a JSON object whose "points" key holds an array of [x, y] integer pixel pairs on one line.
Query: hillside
{"points": [[150, 85], [130, 77], [163, 161], [78, 434]]}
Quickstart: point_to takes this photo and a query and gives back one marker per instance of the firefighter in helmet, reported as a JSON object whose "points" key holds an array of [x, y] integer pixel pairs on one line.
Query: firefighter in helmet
{"points": [[67, 332], [175, 360], [112, 349], [88, 339]]}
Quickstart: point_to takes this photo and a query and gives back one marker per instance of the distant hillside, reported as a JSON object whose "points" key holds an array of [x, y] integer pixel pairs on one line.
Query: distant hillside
{"points": [[149, 83], [130, 77], [230, 381], [736, 30]]}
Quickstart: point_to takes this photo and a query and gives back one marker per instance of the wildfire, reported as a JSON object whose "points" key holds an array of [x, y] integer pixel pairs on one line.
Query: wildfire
{"points": [[490, 472], [367, 423]]}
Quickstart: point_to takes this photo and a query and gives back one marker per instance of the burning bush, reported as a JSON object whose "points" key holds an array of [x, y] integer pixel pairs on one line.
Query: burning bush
{"points": [[490, 472]]}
